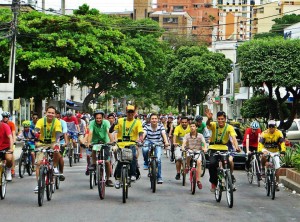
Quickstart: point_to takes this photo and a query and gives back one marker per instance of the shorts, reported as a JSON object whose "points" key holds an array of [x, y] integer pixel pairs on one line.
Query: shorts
{"points": [[178, 153], [276, 158], [197, 155]]}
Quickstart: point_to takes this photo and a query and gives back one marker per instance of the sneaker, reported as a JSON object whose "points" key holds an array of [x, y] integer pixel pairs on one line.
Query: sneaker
{"points": [[172, 159], [177, 176], [36, 189], [8, 174], [33, 168], [233, 178], [213, 188], [233, 187], [277, 187], [160, 181], [145, 167], [117, 184], [62, 177], [55, 171], [133, 178], [109, 183], [87, 172], [13, 174], [80, 155], [199, 185]]}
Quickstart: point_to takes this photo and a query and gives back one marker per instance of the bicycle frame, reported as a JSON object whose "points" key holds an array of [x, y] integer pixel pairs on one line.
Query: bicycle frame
{"points": [[270, 182]]}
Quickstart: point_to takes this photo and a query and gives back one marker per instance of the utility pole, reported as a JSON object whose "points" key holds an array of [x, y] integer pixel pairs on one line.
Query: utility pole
{"points": [[63, 7], [43, 6]]}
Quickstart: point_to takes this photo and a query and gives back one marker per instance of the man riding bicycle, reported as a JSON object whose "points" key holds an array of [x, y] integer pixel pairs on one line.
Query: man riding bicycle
{"points": [[221, 133], [201, 127], [251, 134], [128, 131], [99, 133], [271, 141]]}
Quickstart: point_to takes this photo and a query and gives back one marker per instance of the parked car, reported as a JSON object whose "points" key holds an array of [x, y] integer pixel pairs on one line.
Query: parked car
{"points": [[239, 158], [293, 133]]}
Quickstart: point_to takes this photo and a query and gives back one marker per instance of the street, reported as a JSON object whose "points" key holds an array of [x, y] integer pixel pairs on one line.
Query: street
{"points": [[75, 201]]}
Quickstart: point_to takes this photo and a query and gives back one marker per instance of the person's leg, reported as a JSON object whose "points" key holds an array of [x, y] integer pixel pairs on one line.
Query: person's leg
{"points": [[133, 162], [145, 150], [158, 156]]}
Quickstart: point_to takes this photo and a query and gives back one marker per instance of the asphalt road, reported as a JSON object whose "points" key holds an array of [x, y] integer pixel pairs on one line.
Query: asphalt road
{"points": [[75, 201]]}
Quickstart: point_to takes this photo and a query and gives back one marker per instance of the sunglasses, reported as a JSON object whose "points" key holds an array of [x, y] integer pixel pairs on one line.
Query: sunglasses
{"points": [[130, 111], [5, 117], [271, 126]]}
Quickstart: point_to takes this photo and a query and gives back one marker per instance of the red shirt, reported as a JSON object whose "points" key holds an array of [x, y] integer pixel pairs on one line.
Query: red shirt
{"points": [[4, 133], [253, 137], [72, 119]]}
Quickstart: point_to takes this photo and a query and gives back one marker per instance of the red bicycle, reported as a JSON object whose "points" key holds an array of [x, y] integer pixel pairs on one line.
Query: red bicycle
{"points": [[194, 155]]}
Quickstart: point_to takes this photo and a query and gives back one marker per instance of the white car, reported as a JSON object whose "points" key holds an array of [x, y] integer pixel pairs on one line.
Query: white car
{"points": [[293, 133]]}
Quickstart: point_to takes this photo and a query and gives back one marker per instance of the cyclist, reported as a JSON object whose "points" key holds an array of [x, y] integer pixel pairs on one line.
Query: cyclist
{"points": [[221, 133], [147, 121], [49, 129], [271, 141], [81, 134], [28, 133], [163, 121], [155, 133], [33, 120], [12, 126], [63, 143], [201, 127], [112, 120], [128, 132], [6, 143], [180, 131], [99, 132], [73, 126], [195, 141], [253, 134]]}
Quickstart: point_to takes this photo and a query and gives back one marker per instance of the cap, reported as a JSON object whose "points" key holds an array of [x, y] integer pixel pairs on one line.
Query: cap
{"points": [[271, 122], [78, 115], [130, 107]]}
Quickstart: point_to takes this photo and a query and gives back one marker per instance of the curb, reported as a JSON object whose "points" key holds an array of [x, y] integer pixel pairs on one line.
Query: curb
{"points": [[290, 184]]}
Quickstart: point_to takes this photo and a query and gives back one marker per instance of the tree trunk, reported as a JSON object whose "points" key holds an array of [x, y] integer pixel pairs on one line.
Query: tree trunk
{"points": [[39, 107]]}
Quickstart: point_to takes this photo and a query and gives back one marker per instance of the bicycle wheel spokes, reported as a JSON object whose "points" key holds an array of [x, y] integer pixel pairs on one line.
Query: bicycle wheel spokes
{"points": [[101, 181], [193, 181], [3, 184], [124, 183], [250, 173], [218, 191], [41, 186], [22, 165], [273, 185], [268, 184], [203, 164], [153, 175], [49, 185], [229, 189]]}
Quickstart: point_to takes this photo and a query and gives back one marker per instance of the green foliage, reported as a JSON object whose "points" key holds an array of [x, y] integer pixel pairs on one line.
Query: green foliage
{"points": [[287, 159], [259, 107], [266, 35], [296, 161], [85, 10], [285, 21]]}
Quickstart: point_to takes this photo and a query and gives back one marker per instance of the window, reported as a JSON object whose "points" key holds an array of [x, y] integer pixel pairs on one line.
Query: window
{"points": [[155, 19], [293, 127], [170, 20], [194, 27], [178, 8], [197, 6]]}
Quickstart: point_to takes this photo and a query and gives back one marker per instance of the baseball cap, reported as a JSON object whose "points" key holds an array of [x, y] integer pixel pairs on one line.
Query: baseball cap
{"points": [[130, 107], [271, 122], [78, 115]]}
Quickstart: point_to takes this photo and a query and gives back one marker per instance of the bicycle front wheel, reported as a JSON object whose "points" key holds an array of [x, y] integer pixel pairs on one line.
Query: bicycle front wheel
{"points": [[124, 177], [268, 185], [22, 164], [101, 182], [229, 189], [3, 184], [153, 175], [250, 173], [218, 190], [70, 156], [41, 186], [183, 173], [203, 164], [49, 186], [273, 185], [193, 181]]}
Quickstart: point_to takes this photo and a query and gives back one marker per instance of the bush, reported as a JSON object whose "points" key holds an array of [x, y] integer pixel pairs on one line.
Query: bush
{"points": [[287, 159]]}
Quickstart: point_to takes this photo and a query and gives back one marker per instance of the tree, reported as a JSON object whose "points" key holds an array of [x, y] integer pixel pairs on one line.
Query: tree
{"points": [[282, 23], [275, 63]]}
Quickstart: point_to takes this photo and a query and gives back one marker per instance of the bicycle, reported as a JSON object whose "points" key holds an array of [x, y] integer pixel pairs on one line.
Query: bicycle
{"points": [[224, 178], [184, 167], [270, 181], [26, 161], [3, 182], [71, 150], [254, 169], [153, 165], [45, 180], [194, 155]]}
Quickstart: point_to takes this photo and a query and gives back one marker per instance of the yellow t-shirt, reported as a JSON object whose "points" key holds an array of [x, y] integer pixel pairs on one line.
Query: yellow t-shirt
{"points": [[271, 141], [134, 133], [179, 132], [56, 128], [222, 145]]}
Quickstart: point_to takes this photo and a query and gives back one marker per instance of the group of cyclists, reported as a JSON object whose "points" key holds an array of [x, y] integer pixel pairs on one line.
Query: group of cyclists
{"points": [[181, 133]]}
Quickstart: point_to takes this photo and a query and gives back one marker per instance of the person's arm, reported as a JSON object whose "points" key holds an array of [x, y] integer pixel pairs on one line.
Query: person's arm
{"points": [[14, 136], [171, 130], [89, 139], [209, 117], [166, 142], [57, 136], [235, 144], [204, 148], [11, 143], [110, 136], [184, 143]]}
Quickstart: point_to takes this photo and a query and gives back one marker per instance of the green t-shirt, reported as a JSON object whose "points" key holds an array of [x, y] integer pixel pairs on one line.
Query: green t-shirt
{"points": [[201, 128], [99, 131]]}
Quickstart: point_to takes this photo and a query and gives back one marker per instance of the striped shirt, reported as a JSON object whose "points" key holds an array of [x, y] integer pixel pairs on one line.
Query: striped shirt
{"points": [[194, 143], [155, 136]]}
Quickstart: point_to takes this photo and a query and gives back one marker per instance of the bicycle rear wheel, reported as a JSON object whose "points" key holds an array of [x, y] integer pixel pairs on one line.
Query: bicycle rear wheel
{"points": [[41, 187], [203, 164], [183, 173], [218, 191], [153, 175], [229, 189], [49, 186], [250, 173], [3, 184], [273, 185], [22, 164], [124, 178], [193, 181], [101, 182]]}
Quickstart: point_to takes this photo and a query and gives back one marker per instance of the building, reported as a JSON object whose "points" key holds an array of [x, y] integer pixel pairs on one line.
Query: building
{"points": [[142, 9], [292, 32]]}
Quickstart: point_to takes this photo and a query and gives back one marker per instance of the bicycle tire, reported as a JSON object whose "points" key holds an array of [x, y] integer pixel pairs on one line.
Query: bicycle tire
{"points": [[3, 184], [41, 187], [153, 175], [78, 152], [250, 173], [229, 189], [57, 182], [268, 185], [203, 164], [218, 190], [168, 153], [92, 179], [258, 177], [101, 182], [273, 185], [22, 164], [124, 183], [49, 185], [70, 154], [183, 172], [193, 181]]}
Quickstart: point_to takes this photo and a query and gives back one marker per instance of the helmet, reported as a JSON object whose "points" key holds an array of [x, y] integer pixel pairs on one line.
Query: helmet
{"points": [[172, 117], [198, 118], [98, 111], [254, 125], [78, 115], [26, 123], [69, 113], [5, 113], [111, 114], [162, 117], [148, 116]]}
